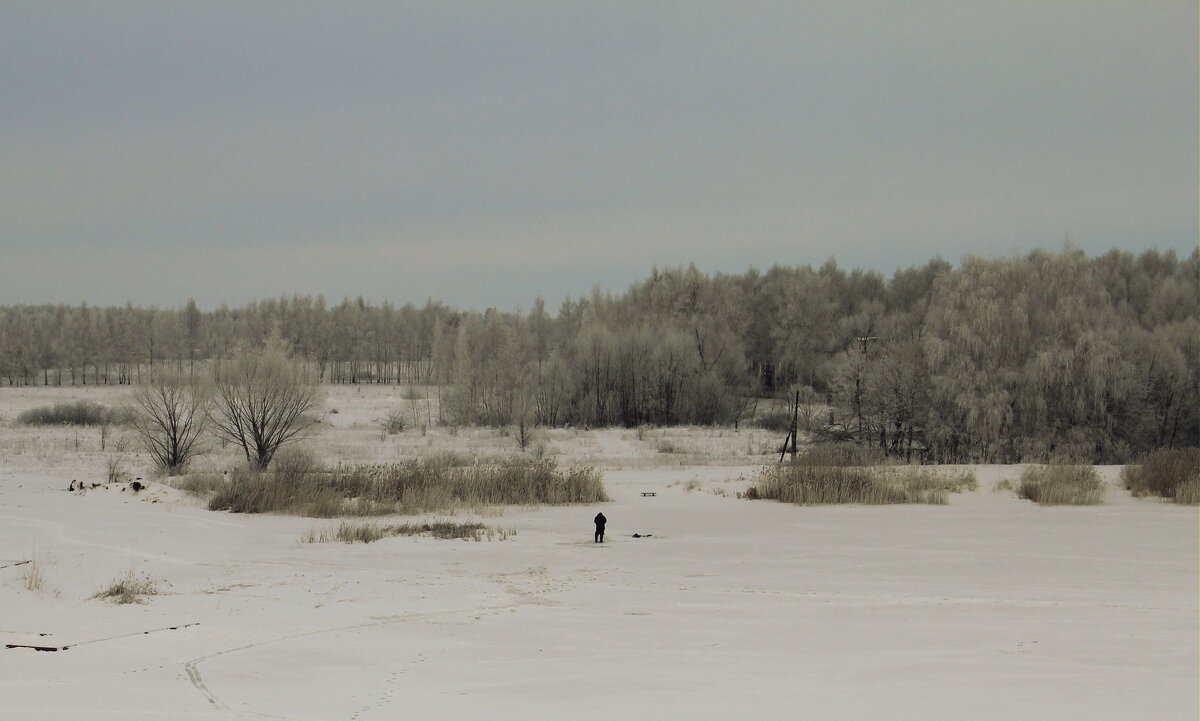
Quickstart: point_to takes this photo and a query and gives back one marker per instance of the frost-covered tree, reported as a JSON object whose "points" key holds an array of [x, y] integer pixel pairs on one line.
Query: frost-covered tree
{"points": [[170, 413], [263, 400]]}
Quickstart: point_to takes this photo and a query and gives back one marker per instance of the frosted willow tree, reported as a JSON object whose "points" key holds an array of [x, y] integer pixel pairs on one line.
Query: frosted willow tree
{"points": [[263, 400], [1025, 361], [170, 414], [804, 331]]}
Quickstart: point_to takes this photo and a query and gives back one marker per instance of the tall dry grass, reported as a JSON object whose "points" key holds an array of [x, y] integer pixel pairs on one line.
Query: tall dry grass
{"points": [[1172, 473], [76, 413], [33, 576], [129, 588], [842, 473], [1062, 484], [408, 487]]}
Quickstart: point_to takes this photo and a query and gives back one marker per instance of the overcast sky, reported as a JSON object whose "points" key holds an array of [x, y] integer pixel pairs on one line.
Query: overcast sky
{"points": [[482, 154]]}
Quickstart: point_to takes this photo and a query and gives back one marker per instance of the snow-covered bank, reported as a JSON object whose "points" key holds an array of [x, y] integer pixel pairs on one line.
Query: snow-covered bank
{"points": [[988, 608]]}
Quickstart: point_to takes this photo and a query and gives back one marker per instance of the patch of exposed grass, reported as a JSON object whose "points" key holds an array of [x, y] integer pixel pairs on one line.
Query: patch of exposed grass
{"points": [[416, 486], [779, 422], [200, 484], [414, 393], [345, 532], [1062, 484], [368, 532], [1168, 472], [129, 588], [459, 459], [837, 474]]}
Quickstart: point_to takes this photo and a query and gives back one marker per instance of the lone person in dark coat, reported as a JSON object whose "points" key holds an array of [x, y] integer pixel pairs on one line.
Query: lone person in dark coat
{"points": [[600, 521]]}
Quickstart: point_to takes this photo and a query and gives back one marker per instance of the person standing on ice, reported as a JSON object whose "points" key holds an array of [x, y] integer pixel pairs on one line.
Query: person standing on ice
{"points": [[600, 521]]}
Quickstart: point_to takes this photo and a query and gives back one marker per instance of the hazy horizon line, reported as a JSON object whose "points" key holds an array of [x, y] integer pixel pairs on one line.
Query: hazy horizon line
{"points": [[598, 286]]}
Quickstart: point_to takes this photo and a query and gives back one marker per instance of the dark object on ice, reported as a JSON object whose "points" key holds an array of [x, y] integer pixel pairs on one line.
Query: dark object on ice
{"points": [[643, 535], [94, 485], [600, 521], [647, 494], [136, 486], [65, 646], [36, 647], [72, 486]]}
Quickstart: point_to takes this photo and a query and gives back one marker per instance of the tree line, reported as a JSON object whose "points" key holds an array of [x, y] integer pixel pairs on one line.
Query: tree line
{"points": [[1002, 360]]}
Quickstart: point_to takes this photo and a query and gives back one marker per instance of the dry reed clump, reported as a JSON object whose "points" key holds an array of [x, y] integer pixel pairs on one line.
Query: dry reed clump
{"points": [[923, 485], [368, 532], [460, 459], [415, 486], [1188, 493], [844, 473], [296, 462], [419, 485], [668, 447], [200, 484], [129, 588], [249, 491], [33, 577], [844, 454], [1062, 484], [77, 413], [1169, 473]]}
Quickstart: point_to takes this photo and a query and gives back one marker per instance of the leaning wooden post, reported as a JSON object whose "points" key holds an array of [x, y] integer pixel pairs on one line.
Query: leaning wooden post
{"points": [[795, 416]]}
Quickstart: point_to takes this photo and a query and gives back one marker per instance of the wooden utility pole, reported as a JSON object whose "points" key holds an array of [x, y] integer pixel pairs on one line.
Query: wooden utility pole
{"points": [[859, 389], [791, 436], [795, 417]]}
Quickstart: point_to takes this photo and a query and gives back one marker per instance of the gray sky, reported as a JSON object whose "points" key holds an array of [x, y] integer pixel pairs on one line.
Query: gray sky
{"points": [[482, 154]]}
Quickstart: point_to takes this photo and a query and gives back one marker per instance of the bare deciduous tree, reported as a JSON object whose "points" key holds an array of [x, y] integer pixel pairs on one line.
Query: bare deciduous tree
{"points": [[170, 413], [262, 401]]}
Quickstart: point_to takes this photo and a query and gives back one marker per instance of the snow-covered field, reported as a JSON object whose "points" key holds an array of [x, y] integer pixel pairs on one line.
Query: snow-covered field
{"points": [[988, 608]]}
